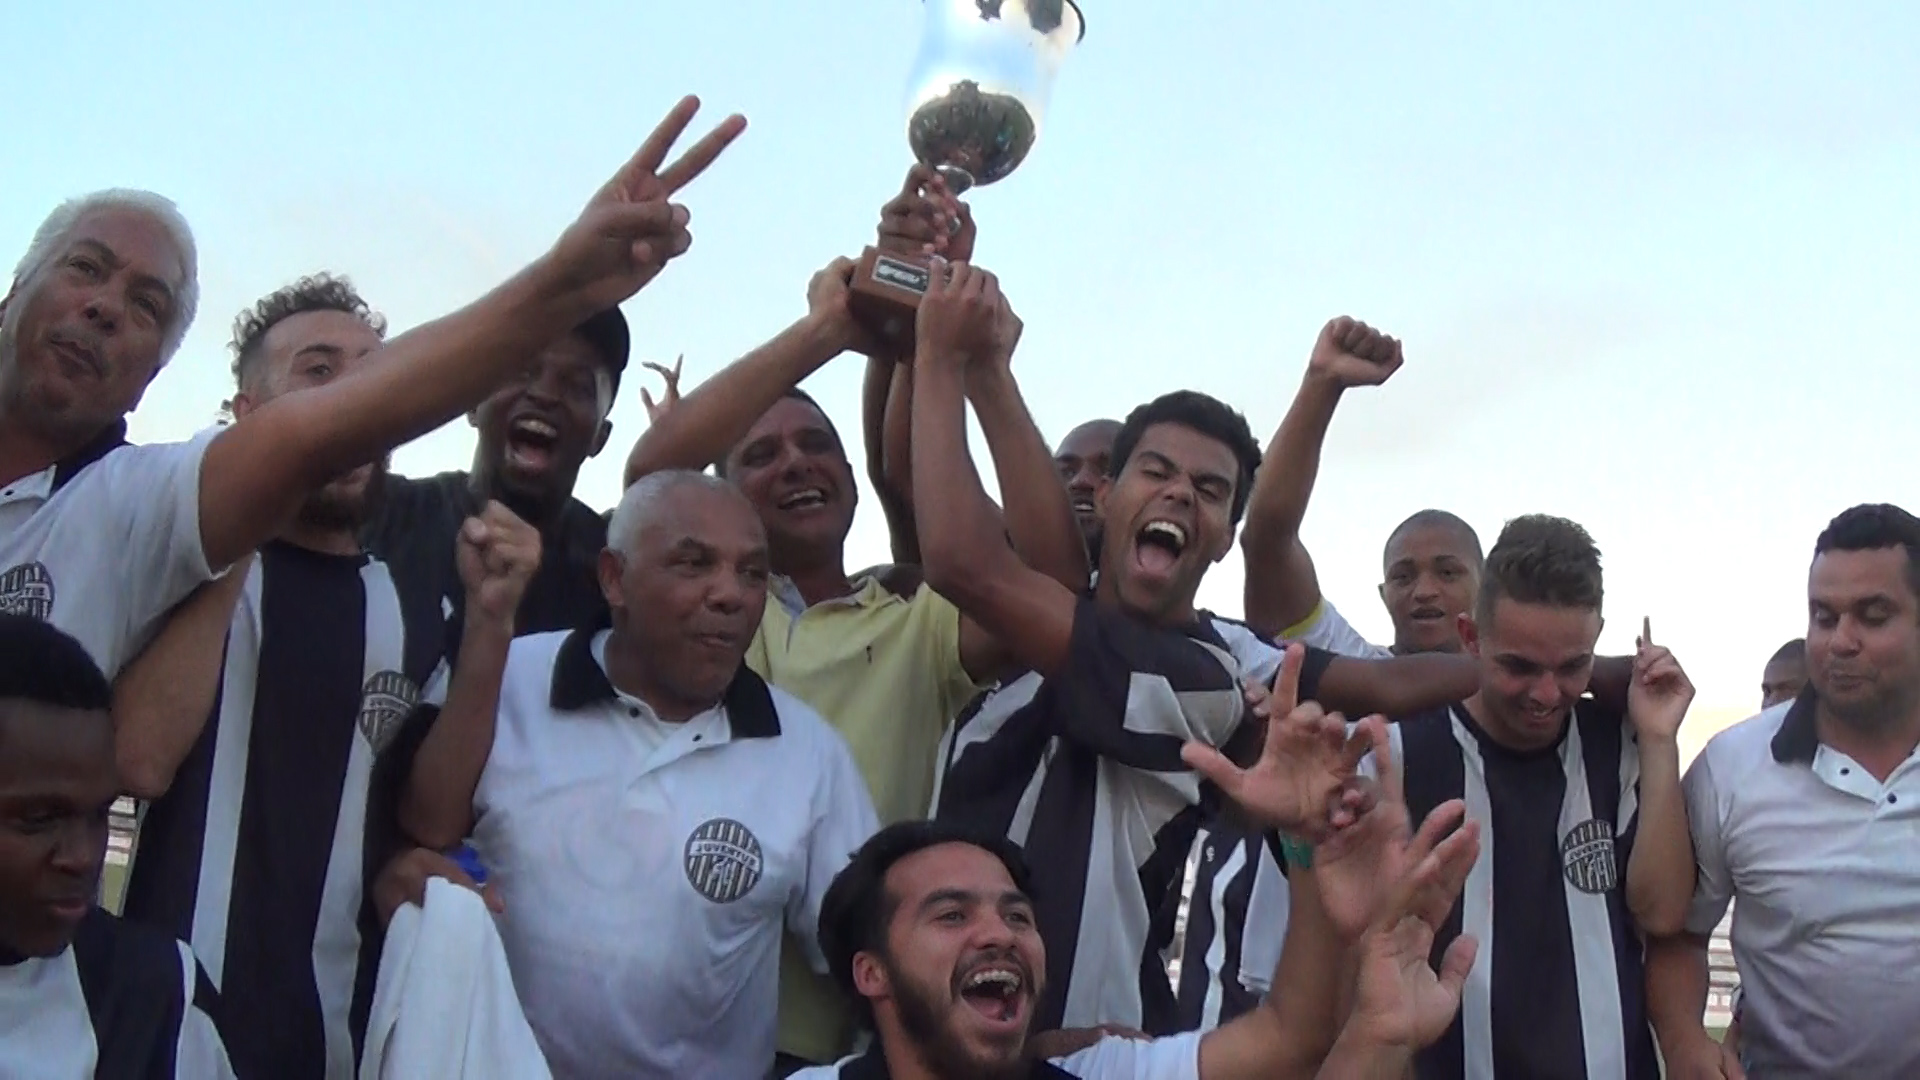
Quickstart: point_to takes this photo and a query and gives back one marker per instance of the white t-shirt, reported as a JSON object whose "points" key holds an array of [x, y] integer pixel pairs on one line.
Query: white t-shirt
{"points": [[104, 550], [1176, 1057], [1327, 629]]}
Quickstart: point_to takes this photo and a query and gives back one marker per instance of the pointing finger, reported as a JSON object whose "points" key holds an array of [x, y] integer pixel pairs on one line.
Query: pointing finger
{"points": [[1286, 687]]}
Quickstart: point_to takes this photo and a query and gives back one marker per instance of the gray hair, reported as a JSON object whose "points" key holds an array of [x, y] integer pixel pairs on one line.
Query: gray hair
{"points": [[642, 501], [59, 224]]}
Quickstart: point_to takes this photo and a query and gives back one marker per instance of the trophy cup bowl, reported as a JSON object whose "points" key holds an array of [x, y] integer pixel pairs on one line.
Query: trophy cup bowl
{"points": [[975, 103]]}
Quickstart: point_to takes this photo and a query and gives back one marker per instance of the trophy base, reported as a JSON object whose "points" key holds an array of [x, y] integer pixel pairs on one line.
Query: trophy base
{"points": [[886, 291]]}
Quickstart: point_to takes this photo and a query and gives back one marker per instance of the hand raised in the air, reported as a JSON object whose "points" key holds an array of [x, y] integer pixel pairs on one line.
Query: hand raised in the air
{"points": [[960, 317], [1657, 700], [669, 396], [1351, 353], [919, 220], [497, 554], [631, 229]]}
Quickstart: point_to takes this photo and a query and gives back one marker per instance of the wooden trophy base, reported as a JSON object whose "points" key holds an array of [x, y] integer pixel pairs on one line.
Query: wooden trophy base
{"points": [[887, 287]]}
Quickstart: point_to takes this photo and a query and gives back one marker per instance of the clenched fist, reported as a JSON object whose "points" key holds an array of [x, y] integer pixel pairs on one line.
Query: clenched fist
{"points": [[1351, 353], [960, 316], [497, 554]]}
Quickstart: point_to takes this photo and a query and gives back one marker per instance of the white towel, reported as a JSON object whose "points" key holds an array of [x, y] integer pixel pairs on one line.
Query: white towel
{"points": [[445, 1006]]}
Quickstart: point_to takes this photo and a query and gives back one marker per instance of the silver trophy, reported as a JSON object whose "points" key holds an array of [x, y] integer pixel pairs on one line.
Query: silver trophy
{"points": [[979, 88], [974, 107]]}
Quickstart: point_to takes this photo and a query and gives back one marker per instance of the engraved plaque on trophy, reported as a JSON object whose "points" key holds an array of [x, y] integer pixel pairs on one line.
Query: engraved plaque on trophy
{"points": [[975, 103]]}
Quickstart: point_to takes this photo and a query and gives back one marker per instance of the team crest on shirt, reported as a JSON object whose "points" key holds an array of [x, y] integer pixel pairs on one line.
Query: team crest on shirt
{"points": [[723, 860], [384, 704], [27, 589], [1587, 852]]}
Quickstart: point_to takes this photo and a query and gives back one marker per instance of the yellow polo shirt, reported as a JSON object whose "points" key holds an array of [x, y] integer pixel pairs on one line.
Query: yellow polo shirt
{"points": [[885, 671]]}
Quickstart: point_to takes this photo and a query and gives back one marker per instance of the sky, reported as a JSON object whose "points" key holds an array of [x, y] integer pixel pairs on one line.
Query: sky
{"points": [[1654, 269]]}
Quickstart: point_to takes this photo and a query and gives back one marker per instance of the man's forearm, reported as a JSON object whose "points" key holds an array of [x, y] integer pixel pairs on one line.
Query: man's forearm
{"points": [[718, 413], [957, 523], [1039, 516], [1660, 872], [1678, 977], [1356, 1058], [162, 700], [1280, 584], [436, 804], [258, 471]]}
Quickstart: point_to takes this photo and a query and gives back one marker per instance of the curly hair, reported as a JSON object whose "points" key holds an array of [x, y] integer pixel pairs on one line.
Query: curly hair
{"points": [[1541, 559], [316, 292]]}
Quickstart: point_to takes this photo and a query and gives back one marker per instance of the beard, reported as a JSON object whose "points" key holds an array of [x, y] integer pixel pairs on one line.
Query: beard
{"points": [[924, 1014], [340, 508]]}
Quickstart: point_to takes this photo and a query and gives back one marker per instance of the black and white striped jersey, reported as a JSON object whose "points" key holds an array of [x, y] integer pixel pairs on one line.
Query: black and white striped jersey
{"points": [[123, 1001], [1558, 990], [257, 855], [1231, 944], [1083, 770]]}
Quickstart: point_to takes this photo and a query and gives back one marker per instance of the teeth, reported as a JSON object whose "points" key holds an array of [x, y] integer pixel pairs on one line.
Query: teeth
{"points": [[809, 497], [537, 427], [1083, 506], [1167, 529], [1001, 977]]}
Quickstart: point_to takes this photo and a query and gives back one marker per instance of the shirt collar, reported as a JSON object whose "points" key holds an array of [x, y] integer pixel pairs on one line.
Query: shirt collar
{"points": [[872, 1065], [579, 683], [110, 438], [1798, 740]]}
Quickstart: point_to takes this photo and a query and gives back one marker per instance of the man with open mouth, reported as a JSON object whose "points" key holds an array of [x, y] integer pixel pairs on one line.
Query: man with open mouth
{"points": [[655, 816], [82, 993], [534, 434], [934, 930]]}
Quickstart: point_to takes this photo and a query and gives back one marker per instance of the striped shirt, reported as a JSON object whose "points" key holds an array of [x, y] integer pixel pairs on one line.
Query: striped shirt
{"points": [[123, 1003], [1226, 963], [1558, 990], [257, 854], [1083, 770]]}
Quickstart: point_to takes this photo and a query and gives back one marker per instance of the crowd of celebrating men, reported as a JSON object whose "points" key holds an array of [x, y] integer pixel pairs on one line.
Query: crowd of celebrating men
{"points": [[459, 777]]}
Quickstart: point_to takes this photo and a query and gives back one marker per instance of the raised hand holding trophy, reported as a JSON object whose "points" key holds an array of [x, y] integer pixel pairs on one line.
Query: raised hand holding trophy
{"points": [[975, 103]]}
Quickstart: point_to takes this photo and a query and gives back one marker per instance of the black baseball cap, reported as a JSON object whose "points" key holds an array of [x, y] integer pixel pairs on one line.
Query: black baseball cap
{"points": [[607, 333]]}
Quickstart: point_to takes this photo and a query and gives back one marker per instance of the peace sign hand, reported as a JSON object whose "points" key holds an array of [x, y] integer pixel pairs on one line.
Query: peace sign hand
{"points": [[630, 230], [1305, 780]]}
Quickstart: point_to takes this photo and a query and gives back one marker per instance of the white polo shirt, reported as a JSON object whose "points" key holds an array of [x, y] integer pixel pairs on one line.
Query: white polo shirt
{"points": [[1824, 862], [647, 880], [105, 543], [1176, 1057]]}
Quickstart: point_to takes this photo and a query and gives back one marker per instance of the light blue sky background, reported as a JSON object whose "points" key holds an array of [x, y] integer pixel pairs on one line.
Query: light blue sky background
{"points": [[1655, 269]]}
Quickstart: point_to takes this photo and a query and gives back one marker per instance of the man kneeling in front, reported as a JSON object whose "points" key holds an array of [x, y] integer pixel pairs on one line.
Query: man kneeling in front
{"points": [[652, 814]]}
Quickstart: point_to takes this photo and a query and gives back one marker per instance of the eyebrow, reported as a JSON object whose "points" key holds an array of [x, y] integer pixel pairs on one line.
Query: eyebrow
{"points": [[113, 259]]}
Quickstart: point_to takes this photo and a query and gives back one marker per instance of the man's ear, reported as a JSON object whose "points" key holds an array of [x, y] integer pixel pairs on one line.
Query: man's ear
{"points": [[610, 568], [600, 438], [241, 404], [1469, 634], [870, 977]]}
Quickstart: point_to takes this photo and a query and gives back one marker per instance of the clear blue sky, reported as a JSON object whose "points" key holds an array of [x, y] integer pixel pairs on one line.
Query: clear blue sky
{"points": [[1655, 270]]}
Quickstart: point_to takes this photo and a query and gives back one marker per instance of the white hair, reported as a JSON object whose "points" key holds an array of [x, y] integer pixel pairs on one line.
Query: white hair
{"points": [[642, 501], [55, 230]]}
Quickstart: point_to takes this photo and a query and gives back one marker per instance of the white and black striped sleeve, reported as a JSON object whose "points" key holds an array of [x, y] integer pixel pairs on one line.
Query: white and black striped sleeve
{"points": [[198, 1048], [1134, 693]]}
